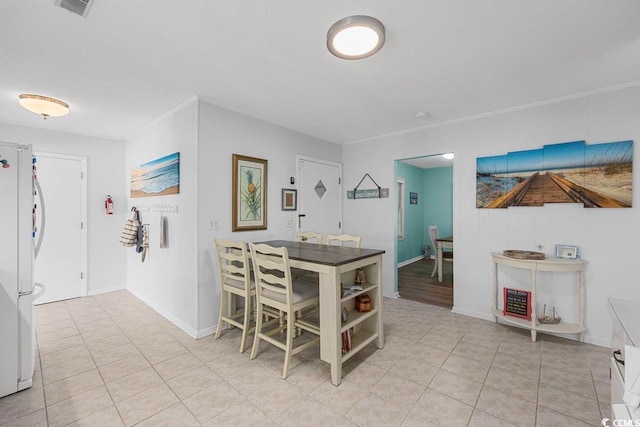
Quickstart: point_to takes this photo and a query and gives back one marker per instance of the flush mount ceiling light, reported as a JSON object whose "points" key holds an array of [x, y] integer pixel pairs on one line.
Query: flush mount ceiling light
{"points": [[355, 37], [448, 156], [43, 105]]}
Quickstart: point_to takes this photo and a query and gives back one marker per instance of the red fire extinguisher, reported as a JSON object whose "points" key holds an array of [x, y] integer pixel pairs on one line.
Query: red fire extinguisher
{"points": [[108, 205]]}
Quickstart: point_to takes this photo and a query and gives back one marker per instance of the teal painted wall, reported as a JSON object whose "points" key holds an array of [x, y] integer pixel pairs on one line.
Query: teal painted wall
{"points": [[438, 202], [435, 207], [411, 245]]}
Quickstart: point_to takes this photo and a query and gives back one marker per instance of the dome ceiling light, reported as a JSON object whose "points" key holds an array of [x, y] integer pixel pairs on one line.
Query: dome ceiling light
{"points": [[355, 37], [43, 105]]}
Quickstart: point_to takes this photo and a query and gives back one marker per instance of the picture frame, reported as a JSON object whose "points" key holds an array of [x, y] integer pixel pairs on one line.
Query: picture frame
{"points": [[517, 303], [413, 198], [567, 251], [249, 193], [289, 199]]}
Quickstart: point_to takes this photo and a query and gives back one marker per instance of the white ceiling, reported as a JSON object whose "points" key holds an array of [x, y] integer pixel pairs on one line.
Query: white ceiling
{"points": [[130, 62]]}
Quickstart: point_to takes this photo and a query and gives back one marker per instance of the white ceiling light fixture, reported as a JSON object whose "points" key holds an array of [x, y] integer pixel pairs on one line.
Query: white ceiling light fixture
{"points": [[448, 156], [355, 37], [44, 105]]}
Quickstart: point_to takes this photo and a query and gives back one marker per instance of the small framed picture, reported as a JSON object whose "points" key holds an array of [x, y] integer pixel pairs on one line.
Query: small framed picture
{"points": [[413, 198], [289, 199], [564, 251]]}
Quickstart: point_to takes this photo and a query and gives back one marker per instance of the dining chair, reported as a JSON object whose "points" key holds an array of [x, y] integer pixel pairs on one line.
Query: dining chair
{"points": [[446, 256], [309, 237], [276, 289], [343, 238], [235, 279]]}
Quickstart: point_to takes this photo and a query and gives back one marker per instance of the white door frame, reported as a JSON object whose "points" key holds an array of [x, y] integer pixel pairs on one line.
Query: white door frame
{"points": [[324, 162], [83, 229]]}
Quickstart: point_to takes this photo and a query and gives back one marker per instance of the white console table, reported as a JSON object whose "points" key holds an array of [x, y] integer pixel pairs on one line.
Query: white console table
{"points": [[551, 265]]}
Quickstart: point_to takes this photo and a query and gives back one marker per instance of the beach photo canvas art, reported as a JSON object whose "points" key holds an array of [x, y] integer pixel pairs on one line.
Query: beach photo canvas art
{"points": [[596, 175], [159, 177]]}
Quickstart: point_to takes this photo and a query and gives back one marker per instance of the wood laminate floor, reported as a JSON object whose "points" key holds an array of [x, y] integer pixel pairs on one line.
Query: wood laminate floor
{"points": [[415, 283]]}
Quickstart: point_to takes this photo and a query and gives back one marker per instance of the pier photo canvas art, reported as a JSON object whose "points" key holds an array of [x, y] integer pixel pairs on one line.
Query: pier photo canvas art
{"points": [[596, 175], [159, 177]]}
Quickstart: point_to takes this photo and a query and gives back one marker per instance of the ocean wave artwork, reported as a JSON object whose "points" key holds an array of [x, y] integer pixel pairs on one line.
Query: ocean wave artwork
{"points": [[158, 177]]}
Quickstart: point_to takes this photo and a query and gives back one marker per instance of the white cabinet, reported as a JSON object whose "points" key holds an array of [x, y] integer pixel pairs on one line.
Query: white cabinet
{"points": [[625, 360], [559, 265]]}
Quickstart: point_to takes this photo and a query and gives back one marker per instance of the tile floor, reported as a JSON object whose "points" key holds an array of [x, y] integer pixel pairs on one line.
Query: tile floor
{"points": [[109, 360]]}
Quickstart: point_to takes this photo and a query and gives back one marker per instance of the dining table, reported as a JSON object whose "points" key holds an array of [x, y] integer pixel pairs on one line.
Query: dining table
{"points": [[442, 242], [336, 267]]}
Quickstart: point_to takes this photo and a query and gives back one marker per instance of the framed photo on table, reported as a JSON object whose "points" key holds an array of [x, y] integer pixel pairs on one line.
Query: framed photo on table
{"points": [[289, 199], [249, 193]]}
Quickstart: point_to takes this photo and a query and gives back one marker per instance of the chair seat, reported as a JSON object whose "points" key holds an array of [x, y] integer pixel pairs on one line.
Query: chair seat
{"points": [[301, 292], [239, 284]]}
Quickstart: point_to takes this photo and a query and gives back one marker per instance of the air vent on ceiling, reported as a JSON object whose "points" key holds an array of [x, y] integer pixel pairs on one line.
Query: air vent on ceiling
{"points": [[79, 7]]}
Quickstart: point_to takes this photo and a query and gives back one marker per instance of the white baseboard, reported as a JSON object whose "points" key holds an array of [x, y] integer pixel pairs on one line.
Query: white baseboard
{"points": [[193, 333], [590, 339], [206, 331], [105, 290], [472, 313], [391, 295], [410, 261]]}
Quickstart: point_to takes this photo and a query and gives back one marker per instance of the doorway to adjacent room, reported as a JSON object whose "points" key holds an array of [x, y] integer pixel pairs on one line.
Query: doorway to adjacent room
{"points": [[425, 198]]}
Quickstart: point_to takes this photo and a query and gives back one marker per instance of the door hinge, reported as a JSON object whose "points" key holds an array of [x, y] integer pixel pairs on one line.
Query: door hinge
{"points": [[82, 226], [339, 224], [81, 175], [81, 275], [339, 180]]}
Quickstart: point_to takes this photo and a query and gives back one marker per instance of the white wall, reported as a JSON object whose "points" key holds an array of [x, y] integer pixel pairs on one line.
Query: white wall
{"points": [[181, 281], [606, 237], [105, 175], [223, 133], [167, 279]]}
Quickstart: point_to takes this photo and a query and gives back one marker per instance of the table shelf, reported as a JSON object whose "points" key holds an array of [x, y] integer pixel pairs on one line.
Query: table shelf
{"points": [[359, 340]]}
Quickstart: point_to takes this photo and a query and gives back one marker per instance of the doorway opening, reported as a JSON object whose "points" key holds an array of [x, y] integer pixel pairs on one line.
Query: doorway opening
{"points": [[424, 198]]}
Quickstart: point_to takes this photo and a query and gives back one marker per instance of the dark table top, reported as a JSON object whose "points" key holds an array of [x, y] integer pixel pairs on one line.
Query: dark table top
{"points": [[323, 254]]}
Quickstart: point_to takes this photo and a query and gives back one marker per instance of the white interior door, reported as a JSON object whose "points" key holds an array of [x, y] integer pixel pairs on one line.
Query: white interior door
{"points": [[319, 196], [59, 265]]}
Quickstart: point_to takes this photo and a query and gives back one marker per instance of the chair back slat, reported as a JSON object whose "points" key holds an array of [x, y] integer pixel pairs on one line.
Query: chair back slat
{"points": [[233, 258], [309, 237], [271, 267], [344, 238]]}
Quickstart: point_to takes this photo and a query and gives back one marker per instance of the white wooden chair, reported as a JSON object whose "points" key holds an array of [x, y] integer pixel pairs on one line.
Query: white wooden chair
{"points": [[309, 237], [446, 256], [276, 289], [235, 279], [344, 238]]}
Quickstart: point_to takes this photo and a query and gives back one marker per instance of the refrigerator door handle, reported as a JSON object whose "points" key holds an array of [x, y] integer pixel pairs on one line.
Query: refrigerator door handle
{"points": [[42, 221], [25, 293]]}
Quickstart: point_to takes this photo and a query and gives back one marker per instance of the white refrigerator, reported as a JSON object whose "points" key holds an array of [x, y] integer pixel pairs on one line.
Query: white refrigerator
{"points": [[17, 234]]}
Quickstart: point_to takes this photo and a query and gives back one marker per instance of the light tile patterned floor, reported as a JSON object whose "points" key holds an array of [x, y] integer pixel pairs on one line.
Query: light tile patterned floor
{"points": [[109, 360]]}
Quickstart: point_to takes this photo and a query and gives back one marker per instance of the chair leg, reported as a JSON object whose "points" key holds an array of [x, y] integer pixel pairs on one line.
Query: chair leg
{"points": [[435, 267], [287, 354], [222, 313], [256, 335], [246, 324]]}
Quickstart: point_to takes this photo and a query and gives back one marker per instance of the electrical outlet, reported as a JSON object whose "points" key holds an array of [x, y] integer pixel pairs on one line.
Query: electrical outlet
{"points": [[214, 224], [289, 222]]}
